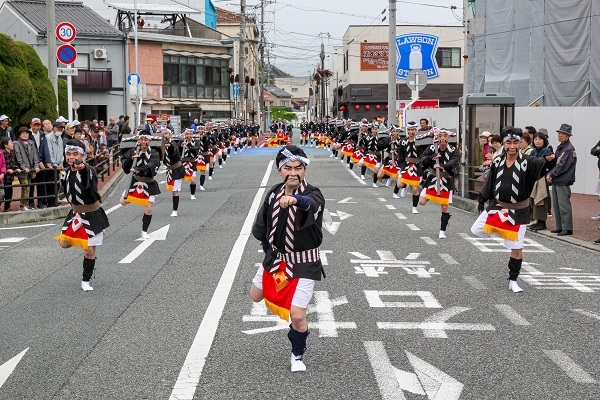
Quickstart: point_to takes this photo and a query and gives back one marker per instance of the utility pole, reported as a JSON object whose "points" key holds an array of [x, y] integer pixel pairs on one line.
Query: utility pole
{"points": [[241, 60], [323, 80], [261, 83], [463, 125], [392, 61], [51, 41]]}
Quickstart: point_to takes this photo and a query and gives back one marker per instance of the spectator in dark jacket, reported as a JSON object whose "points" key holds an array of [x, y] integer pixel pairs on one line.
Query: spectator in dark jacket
{"points": [[539, 203], [44, 161], [12, 168], [562, 177], [5, 130], [27, 158]]}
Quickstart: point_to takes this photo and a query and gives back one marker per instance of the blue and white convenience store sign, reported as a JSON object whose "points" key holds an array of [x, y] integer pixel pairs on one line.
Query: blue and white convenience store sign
{"points": [[417, 51]]}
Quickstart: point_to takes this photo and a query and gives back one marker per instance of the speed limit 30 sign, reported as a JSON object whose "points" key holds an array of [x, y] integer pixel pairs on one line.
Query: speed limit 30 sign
{"points": [[66, 32]]}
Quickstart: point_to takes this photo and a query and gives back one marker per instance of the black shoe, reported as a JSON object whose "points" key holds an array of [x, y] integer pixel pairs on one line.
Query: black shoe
{"points": [[597, 241], [540, 226], [556, 231], [565, 233]]}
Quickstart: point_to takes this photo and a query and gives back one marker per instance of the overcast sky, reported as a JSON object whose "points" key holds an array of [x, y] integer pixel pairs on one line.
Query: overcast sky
{"points": [[297, 28]]}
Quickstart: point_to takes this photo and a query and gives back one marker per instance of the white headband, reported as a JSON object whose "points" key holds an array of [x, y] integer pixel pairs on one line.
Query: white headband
{"points": [[79, 149], [291, 157], [511, 137]]}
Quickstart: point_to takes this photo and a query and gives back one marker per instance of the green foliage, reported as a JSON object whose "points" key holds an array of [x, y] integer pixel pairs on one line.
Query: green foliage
{"points": [[27, 91], [283, 113], [63, 98]]}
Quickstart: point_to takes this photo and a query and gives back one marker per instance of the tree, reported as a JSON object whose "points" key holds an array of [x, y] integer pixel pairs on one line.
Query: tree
{"points": [[26, 90], [283, 113]]}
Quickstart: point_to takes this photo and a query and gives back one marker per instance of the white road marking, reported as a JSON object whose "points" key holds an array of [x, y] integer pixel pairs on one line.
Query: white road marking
{"points": [[400, 216], [25, 227], [412, 256], [448, 259], [347, 201], [12, 240], [381, 199], [265, 179], [412, 227], [569, 366], [391, 207], [427, 299], [475, 283], [587, 313], [512, 315], [429, 241], [160, 234], [8, 367], [113, 208], [356, 177], [494, 244], [190, 373], [385, 372]]}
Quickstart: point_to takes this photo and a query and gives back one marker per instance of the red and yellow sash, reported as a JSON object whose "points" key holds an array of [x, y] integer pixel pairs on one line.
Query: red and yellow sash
{"points": [[74, 234], [501, 223], [347, 150], [391, 171], [356, 156], [410, 177], [138, 194], [278, 291]]}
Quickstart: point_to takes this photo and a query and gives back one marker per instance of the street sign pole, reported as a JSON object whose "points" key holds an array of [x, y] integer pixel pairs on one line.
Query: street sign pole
{"points": [[70, 94]]}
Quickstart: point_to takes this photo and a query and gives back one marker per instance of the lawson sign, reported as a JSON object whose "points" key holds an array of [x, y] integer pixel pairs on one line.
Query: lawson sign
{"points": [[417, 51]]}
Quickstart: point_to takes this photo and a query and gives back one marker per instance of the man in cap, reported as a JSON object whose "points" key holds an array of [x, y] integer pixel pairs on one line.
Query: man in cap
{"points": [[5, 130], [143, 162], [561, 177], [44, 161], [289, 227], [508, 187]]}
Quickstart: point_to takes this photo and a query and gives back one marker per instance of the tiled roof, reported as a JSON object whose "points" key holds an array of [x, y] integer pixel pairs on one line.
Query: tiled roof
{"points": [[87, 22], [277, 91]]}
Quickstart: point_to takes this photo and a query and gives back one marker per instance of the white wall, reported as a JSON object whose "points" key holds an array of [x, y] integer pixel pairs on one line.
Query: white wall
{"points": [[441, 117]]}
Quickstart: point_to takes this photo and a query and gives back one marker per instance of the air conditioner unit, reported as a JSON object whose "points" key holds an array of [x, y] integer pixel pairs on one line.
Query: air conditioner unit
{"points": [[99, 54]]}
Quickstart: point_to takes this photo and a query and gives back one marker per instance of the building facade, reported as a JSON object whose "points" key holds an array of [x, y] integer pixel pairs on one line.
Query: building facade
{"points": [[100, 84], [358, 87]]}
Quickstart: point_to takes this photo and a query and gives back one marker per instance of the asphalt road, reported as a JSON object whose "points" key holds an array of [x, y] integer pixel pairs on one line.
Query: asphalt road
{"points": [[401, 314]]}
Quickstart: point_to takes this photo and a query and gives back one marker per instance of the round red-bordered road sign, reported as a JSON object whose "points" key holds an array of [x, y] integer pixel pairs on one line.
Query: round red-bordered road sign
{"points": [[66, 54], [65, 32]]}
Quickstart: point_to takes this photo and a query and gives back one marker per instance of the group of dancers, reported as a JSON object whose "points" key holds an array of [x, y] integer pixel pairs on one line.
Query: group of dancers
{"points": [[183, 156]]}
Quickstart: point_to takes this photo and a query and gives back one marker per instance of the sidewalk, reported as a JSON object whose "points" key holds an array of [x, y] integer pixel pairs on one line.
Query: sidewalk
{"points": [[15, 217], [585, 231]]}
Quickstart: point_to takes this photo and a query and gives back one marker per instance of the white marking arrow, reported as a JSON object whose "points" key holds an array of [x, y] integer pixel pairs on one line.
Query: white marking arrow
{"points": [[426, 380], [8, 367], [341, 215], [328, 223], [347, 201], [160, 234]]}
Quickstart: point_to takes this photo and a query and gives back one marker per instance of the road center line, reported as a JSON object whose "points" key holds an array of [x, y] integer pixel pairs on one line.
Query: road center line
{"points": [[429, 241], [190, 373], [25, 227]]}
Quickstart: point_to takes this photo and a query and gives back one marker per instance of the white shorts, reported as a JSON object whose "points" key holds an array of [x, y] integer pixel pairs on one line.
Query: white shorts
{"points": [[151, 199], [176, 185], [425, 190], [96, 240], [304, 290], [477, 230]]}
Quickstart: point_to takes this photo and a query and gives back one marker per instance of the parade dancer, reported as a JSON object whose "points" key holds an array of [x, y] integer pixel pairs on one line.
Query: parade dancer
{"points": [[86, 221], [304, 132], [409, 160], [508, 186], [441, 159], [289, 227], [175, 168], [143, 162], [389, 166], [205, 156], [370, 160], [189, 154], [359, 150]]}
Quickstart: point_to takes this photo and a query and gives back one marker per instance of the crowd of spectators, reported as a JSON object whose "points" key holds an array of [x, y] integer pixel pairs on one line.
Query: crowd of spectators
{"points": [[32, 157]]}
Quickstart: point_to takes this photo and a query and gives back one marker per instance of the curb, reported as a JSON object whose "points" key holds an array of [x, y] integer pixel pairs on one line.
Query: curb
{"points": [[471, 207], [48, 214]]}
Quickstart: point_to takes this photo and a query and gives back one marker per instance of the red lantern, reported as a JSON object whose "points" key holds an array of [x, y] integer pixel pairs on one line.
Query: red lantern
{"points": [[357, 107], [342, 108], [368, 107], [386, 106], [377, 106]]}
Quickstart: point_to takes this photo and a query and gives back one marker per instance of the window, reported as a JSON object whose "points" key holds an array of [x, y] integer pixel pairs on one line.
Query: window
{"points": [[294, 90], [200, 78], [448, 57], [82, 61]]}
